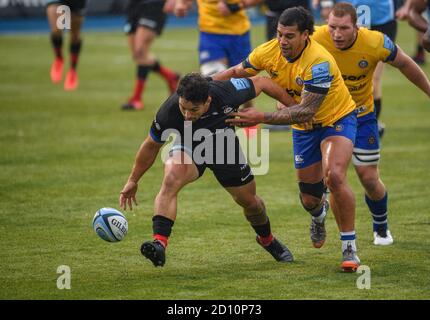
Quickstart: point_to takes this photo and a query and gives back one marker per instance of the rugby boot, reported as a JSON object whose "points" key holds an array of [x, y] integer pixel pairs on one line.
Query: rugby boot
{"points": [[154, 251], [350, 261], [278, 250], [382, 237], [57, 70], [317, 229], [132, 105], [71, 83]]}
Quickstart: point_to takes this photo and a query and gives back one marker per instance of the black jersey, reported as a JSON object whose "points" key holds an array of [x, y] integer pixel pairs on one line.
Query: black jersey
{"points": [[210, 141], [226, 96]]}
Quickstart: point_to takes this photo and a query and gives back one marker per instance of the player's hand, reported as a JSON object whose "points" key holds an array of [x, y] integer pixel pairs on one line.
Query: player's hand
{"points": [[169, 6], [248, 117], [181, 8], [402, 13], [223, 9], [127, 195]]}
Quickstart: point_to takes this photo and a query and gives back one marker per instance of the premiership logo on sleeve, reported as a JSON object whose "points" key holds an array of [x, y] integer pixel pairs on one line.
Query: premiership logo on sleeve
{"points": [[240, 84], [321, 73]]}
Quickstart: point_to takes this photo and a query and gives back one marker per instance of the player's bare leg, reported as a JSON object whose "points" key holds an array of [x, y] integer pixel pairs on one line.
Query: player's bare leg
{"points": [[56, 72], [71, 82], [312, 197], [376, 198], [178, 171], [255, 212], [336, 155]]}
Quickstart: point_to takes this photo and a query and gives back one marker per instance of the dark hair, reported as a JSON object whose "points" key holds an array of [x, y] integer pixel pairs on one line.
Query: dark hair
{"points": [[298, 16], [342, 9], [193, 87]]}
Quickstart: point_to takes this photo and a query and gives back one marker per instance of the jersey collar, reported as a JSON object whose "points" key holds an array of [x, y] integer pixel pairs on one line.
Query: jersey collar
{"points": [[352, 44]]}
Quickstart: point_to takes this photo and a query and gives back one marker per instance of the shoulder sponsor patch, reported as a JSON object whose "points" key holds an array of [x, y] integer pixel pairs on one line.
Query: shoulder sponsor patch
{"points": [[321, 73], [240, 83]]}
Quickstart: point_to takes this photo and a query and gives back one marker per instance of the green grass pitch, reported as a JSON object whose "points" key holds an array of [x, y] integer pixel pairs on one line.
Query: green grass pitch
{"points": [[66, 154]]}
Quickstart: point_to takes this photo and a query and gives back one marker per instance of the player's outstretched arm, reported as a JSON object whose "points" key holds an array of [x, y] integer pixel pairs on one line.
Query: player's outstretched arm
{"points": [[272, 89], [145, 157], [411, 70], [236, 71], [299, 113]]}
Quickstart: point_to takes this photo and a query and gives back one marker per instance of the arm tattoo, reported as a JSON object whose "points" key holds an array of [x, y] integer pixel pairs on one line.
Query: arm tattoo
{"points": [[299, 113]]}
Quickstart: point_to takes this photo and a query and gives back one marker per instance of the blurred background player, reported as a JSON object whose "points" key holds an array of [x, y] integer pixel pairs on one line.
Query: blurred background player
{"points": [[224, 37], [145, 21], [412, 11], [77, 9], [382, 18], [200, 104], [357, 52]]}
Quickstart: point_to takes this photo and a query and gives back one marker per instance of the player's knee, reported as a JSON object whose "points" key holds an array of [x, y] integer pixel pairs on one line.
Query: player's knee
{"points": [[173, 177], [311, 194], [334, 178], [212, 67], [369, 180]]}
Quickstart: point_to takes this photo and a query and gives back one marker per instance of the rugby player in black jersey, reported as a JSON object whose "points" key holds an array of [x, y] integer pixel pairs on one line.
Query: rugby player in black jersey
{"points": [[197, 113]]}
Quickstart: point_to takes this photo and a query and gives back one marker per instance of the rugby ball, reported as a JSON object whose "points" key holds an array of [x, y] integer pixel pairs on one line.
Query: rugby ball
{"points": [[110, 224]]}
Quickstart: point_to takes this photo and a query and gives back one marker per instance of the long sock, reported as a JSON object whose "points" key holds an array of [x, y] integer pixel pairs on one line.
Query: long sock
{"points": [[378, 106], [75, 49], [57, 45], [320, 214], [379, 210], [264, 233], [348, 239], [162, 228], [142, 74], [165, 72]]}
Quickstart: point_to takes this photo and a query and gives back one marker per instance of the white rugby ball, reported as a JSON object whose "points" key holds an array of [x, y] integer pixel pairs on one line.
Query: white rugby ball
{"points": [[110, 224]]}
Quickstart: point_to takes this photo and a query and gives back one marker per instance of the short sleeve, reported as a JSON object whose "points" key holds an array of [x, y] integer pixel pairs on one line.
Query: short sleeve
{"points": [[318, 78]]}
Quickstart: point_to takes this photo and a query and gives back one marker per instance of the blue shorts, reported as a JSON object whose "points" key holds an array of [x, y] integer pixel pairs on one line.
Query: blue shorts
{"points": [[307, 143], [366, 147], [218, 46]]}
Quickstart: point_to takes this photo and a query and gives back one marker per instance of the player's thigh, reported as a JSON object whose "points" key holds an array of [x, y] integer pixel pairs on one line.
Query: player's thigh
{"points": [[307, 155], [179, 170], [366, 147], [53, 15], [337, 145], [238, 49], [244, 195]]}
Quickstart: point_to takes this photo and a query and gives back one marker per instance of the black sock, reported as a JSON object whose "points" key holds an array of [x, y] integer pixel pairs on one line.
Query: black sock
{"points": [[263, 230], [57, 44], [142, 71], [162, 225], [75, 49]]}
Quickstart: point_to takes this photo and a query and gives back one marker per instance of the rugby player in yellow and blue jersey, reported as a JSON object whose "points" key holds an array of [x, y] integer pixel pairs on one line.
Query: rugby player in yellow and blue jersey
{"points": [[357, 52], [322, 151], [224, 39]]}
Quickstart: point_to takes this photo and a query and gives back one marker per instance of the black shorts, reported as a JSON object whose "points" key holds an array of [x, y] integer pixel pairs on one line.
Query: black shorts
{"points": [[148, 14], [389, 28], [234, 173], [76, 6]]}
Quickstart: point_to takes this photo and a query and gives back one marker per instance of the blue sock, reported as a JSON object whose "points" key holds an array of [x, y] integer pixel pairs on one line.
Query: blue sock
{"points": [[348, 239], [379, 212]]}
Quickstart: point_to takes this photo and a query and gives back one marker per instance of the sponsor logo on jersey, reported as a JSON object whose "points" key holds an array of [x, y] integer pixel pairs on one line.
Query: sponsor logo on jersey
{"points": [[363, 64]]}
